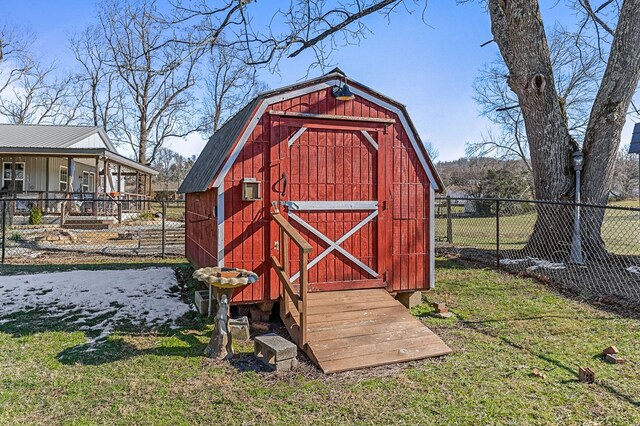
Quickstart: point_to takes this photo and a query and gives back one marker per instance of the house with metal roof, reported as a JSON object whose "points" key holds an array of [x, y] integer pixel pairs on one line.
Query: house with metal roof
{"points": [[49, 163]]}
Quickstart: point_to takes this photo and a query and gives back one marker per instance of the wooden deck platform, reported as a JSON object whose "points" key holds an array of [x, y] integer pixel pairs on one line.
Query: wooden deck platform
{"points": [[352, 329]]}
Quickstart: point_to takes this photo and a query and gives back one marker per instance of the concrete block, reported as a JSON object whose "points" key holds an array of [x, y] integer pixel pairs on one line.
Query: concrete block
{"points": [[440, 307], [286, 365], [201, 300], [410, 299], [258, 314], [586, 375], [614, 359], [260, 326], [275, 351], [239, 328]]}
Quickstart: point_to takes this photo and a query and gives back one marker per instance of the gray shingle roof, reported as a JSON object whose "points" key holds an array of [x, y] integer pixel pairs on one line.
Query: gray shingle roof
{"points": [[215, 151], [43, 136]]}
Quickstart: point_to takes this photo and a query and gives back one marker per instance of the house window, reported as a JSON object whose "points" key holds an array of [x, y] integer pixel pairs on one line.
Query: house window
{"points": [[19, 176], [64, 178], [88, 181]]}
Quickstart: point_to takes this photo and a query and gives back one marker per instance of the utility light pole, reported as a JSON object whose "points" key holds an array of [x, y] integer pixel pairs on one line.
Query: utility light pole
{"points": [[576, 242]]}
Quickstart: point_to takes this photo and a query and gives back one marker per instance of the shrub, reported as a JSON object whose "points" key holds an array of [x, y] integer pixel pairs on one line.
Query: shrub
{"points": [[35, 217], [146, 215], [15, 236]]}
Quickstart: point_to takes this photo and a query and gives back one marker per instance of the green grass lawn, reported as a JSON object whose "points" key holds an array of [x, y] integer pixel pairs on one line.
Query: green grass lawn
{"points": [[620, 230], [503, 328]]}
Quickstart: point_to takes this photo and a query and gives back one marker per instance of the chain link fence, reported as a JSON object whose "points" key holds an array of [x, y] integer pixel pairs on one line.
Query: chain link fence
{"points": [[591, 250], [49, 231]]}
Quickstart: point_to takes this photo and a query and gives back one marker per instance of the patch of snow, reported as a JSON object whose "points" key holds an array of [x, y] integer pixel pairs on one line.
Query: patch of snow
{"points": [[535, 263], [544, 264], [512, 261], [634, 269], [136, 296]]}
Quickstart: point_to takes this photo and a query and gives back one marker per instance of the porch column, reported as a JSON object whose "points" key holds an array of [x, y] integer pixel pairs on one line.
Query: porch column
{"points": [[138, 206], [45, 205], [47, 179], [120, 193], [107, 189], [96, 184], [63, 208], [13, 177]]}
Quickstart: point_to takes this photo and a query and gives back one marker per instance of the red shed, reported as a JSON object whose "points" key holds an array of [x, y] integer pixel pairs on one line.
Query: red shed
{"points": [[352, 176], [354, 190]]}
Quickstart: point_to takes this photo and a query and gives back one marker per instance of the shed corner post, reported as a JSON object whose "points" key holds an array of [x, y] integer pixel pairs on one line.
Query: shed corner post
{"points": [[449, 222], [432, 237], [220, 221]]}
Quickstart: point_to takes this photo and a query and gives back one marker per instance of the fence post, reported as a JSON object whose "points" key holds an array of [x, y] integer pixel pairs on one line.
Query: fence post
{"points": [[164, 226], [449, 224], [4, 228], [498, 234]]}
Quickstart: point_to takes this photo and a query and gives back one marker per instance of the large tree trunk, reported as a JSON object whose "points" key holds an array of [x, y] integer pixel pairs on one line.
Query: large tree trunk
{"points": [[606, 121], [519, 32]]}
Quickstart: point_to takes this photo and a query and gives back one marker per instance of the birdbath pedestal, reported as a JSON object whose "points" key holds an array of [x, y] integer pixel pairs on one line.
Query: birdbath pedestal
{"points": [[223, 282]]}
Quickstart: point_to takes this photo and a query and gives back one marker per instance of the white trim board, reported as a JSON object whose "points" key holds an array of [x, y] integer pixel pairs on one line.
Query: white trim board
{"points": [[296, 135], [330, 205], [335, 245], [432, 238], [368, 137], [220, 218], [314, 88]]}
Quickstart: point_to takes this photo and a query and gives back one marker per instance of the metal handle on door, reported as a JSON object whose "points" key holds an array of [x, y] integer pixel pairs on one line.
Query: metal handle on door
{"points": [[284, 184]]}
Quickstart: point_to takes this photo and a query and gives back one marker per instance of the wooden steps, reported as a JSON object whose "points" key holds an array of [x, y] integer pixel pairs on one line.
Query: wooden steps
{"points": [[150, 240], [87, 223], [354, 329]]}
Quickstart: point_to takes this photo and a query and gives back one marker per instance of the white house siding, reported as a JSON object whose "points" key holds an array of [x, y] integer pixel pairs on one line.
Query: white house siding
{"points": [[36, 172], [32, 181], [93, 141]]}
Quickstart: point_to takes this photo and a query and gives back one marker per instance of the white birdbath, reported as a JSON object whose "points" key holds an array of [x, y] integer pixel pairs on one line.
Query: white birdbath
{"points": [[223, 281]]}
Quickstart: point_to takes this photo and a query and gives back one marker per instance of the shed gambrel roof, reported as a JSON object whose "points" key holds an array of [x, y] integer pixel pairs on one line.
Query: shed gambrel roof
{"points": [[210, 162]]}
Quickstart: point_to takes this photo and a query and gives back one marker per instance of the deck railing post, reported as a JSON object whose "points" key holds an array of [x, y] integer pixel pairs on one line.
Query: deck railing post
{"points": [[164, 227], [498, 234], [449, 223], [304, 281], [284, 258], [4, 228]]}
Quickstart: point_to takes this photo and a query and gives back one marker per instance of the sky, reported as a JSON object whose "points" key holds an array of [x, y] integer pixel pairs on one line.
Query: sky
{"points": [[427, 65]]}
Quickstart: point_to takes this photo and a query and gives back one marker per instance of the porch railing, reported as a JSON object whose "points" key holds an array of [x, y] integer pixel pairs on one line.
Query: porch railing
{"points": [[288, 292]]}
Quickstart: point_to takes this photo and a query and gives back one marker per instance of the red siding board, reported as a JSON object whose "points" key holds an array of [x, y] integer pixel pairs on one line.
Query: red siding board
{"points": [[323, 165]]}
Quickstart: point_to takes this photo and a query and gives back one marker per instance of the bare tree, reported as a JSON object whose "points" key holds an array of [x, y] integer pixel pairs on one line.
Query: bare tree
{"points": [[625, 176], [96, 79], [156, 72], [577, 68], [37, 96], [519, 32], [13, 42], [14, 49], [172, 167], [229, 84], [315, 25]]}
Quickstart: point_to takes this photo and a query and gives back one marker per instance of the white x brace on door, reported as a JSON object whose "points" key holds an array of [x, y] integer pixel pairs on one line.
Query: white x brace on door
{"points": [[333, 245]]}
